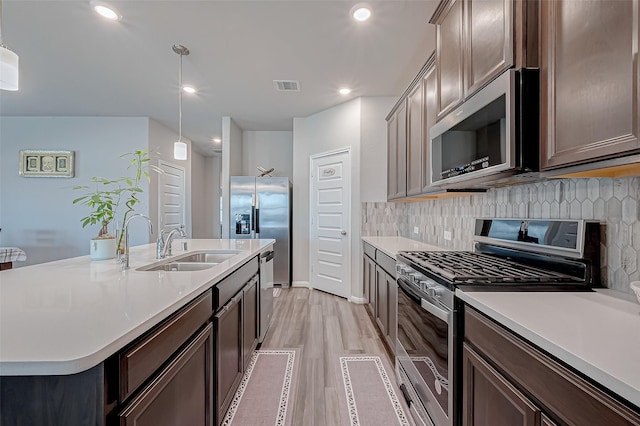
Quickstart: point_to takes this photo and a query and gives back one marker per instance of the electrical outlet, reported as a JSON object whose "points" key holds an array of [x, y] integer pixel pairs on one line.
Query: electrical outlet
{"points": [[447, 235], [415, 230]]}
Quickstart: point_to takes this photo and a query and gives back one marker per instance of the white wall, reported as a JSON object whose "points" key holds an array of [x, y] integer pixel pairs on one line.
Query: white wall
{"points": [[37, 214], [231, 164], [161, 141], [373, 128], [213, 175], [335, 128], [267, 149]]}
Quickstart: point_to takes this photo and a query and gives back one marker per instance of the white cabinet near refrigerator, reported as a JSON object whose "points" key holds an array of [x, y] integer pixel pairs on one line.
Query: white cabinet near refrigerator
{"points": [[260, 207]]}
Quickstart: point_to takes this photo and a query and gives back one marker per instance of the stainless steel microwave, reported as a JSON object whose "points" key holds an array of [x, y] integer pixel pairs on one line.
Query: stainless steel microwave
{"points": [[492, 138]]}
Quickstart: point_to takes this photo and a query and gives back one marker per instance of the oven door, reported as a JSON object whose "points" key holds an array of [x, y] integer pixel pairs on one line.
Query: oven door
{"points": [[425, 339]]}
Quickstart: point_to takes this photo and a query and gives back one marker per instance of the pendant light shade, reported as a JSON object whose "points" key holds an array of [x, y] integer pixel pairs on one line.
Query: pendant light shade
{"points": [[8, 64], [8, 69], [180, 150], [179, 147]]}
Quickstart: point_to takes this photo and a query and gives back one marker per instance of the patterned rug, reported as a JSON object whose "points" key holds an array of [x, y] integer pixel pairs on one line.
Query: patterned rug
{"points": [[371, 396], [266, 393]]}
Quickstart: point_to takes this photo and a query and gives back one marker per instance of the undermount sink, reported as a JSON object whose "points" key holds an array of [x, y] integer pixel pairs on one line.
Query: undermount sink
{"points": [[208, 256], [179, 266], [195, 261]]}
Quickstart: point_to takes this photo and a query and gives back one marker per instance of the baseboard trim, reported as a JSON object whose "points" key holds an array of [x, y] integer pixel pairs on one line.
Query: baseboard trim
{"points": [[357, 300], [301, 284]]}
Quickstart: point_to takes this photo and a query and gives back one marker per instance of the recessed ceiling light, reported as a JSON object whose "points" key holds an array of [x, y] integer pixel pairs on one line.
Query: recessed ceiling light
{"points": [[344, 91], [217, 140], [106, 10], [361, 12], [189, 89]]}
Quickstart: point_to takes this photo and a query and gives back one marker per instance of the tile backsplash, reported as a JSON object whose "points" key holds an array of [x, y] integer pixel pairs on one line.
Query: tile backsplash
{"points": [[615, 203]]}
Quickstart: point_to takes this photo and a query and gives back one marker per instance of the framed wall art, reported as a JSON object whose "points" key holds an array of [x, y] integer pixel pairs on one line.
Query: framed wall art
{"points": [[34, 163]]}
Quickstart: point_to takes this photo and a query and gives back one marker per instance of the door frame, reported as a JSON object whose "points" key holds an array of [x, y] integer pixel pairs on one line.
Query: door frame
{"points": [[348, 254], [162, 163]]}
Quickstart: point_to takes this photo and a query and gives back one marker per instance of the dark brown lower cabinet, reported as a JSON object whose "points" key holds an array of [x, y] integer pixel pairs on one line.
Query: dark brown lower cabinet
{"points": [[382, 309], [508, 381], [489, 399], [369, 275], [249, 320], [182, 392], [228, 353]]}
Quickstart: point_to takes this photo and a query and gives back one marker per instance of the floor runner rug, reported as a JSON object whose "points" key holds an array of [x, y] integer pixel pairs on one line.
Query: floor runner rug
{"points": [[267, 390], [370, 396]]}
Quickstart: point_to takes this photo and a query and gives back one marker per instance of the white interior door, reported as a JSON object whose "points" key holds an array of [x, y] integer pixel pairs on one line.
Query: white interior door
{"points": [[330, 231], [171, 196]]}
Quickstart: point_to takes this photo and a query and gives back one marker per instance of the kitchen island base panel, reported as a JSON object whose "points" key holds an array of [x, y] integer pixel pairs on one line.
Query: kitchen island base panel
{"points": [[75, 399]]}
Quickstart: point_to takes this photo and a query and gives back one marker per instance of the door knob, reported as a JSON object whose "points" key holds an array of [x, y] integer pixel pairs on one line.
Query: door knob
{"points": [[343, 232]]}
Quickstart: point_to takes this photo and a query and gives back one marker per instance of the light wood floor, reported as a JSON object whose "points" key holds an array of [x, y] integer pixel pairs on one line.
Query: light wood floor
{"points": [[324, 327]]}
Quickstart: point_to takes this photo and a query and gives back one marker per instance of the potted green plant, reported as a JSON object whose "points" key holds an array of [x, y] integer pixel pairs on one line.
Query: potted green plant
{"points": [[107, 198]]}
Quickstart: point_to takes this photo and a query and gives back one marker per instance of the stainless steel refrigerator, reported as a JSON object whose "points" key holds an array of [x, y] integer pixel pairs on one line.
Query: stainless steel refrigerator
{"points": [[260, 207]]}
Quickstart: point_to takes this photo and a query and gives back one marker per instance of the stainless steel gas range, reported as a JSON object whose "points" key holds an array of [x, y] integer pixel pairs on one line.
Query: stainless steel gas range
{"points": [[509, 255]]}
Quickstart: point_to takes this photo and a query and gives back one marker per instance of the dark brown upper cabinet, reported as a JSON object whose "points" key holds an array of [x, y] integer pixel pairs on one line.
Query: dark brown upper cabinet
{"points": [[414, 140], [589, 81], [476, 41], [489, 41], [429, 119], [449, 55], [397, 153]]}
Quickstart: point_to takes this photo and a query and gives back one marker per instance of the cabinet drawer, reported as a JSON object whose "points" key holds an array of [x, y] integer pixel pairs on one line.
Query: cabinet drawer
{"points": [[566, 395], [230, 286], [139, 362], [387, 263], [369, 250]]}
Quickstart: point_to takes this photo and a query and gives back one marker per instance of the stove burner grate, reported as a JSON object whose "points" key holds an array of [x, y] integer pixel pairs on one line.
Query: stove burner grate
{"points": [[477, 268]]}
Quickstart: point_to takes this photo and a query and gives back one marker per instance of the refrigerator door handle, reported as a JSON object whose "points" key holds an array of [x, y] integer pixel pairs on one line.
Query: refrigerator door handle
{"points": [[257, 215], [253, 212]]}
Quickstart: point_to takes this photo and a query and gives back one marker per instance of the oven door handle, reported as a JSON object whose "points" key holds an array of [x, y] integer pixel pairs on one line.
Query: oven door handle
{"points": [[408, 292], [434, 310]]}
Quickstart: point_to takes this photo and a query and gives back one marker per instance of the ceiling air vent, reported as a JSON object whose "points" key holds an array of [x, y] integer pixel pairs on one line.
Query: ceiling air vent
{"points": [[287, 85]]}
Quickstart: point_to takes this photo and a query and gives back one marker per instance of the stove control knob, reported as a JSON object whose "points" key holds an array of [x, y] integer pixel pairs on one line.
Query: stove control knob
{"points": [[434, 292], [414, 277]]}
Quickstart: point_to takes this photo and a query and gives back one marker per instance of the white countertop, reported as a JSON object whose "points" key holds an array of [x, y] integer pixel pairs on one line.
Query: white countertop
{"points": [[595, 333], [393, 245], [67, 316]]}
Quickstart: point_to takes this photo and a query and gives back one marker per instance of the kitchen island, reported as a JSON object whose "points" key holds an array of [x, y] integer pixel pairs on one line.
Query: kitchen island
{"points": [[68, 325]]}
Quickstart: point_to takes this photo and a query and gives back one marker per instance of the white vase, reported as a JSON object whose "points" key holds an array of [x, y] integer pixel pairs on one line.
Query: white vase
{"points": [[102, 249]]}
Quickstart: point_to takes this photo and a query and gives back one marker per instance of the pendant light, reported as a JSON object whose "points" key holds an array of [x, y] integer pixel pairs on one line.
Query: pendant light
{"points": [[8, 64], [179, 147]]}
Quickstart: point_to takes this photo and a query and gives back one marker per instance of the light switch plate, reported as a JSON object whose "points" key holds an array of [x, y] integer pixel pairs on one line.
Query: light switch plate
{"points": [[415, 230], [447, 235]]}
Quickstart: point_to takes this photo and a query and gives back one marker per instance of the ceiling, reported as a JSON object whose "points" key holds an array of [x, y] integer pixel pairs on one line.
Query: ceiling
{"points": [[75, 63]]}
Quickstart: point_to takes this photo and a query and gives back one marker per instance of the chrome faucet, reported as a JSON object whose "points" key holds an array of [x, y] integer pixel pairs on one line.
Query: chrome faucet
{"points": [[165, 238], [123, 257]]}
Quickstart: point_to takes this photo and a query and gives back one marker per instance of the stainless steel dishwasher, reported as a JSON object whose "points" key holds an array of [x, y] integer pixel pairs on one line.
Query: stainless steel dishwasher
{"points": [[266, 292]]}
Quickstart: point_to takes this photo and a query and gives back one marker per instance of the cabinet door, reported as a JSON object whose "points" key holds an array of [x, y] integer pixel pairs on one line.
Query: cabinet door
{"points": [[370, 284], [449, 57], [392, 157], [392, 297], [430, 104], [414, 140], [381, 300], [397, 153], [489, 41], [182, 392], [249, 320], [228, 353], [489, 399], [590, 80]]}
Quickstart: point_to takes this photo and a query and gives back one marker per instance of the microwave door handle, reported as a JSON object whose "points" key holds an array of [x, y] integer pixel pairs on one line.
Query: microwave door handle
{"points": [[435, 311]]}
